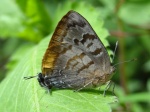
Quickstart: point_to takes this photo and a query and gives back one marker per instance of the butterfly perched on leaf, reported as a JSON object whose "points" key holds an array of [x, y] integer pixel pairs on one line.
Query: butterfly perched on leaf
{"points": [[75, 58]]}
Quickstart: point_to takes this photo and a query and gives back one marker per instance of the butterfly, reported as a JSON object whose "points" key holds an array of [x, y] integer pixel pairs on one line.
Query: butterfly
{"points": [[75, 58]]}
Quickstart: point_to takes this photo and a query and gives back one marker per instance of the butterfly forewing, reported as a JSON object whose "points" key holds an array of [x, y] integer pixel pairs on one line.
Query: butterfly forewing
{"points": [[75, 54]]}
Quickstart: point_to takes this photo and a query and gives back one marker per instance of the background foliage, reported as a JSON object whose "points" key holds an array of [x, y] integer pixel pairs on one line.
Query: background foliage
{"points": [[25, 30]]}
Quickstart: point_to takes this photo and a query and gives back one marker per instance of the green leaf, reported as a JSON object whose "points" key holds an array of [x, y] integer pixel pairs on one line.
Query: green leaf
{"points": [[22, 49], [136, 13], [11, 18], [18, 94], [37, 23], [137, 97]]}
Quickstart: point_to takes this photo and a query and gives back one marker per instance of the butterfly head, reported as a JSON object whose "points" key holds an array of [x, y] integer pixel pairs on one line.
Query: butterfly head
{"points": [[43, 82], [112, 69], [110, 73]]}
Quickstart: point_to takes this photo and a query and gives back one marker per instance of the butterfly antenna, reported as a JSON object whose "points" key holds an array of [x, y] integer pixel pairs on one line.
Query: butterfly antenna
{"points": [[115, 51], [125, 61], [26, 78]]}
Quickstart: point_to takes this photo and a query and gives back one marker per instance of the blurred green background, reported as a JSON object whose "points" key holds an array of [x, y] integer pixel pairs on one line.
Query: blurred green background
{"points": [[24, 23]]}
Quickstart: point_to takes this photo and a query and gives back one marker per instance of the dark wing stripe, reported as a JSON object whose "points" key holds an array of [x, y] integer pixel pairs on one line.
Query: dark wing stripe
{"points": [[87, 37], [75, 58], [89, 45], [97, 51], [85, 66]]}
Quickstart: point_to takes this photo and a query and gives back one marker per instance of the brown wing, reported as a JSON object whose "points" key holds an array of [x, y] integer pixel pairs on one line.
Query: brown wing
{"points": [[74, 46]]}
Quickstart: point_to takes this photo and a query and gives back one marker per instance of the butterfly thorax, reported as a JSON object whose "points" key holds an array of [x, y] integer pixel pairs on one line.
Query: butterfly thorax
{"points": [[42, 81]]}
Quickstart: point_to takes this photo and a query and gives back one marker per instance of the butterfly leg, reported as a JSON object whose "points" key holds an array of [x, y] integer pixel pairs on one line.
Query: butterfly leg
{"points": [[113, 89], [109, 83], [49, 91], [84, 86], [107, 87]]}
